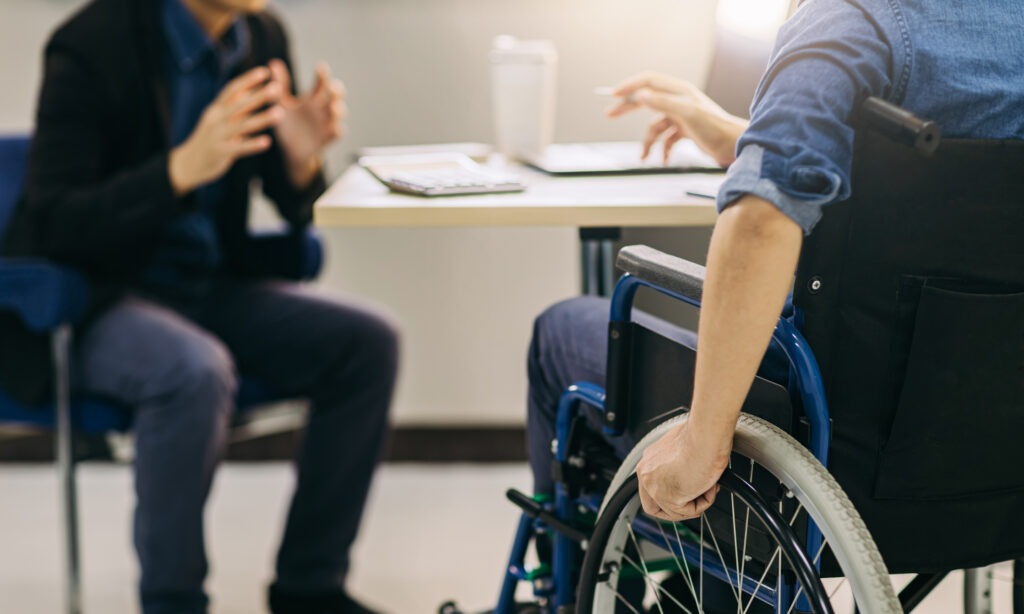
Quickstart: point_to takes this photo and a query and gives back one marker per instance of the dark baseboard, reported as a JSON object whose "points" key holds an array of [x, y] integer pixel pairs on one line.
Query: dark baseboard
{"points": [[406, 445], [454, 445]]}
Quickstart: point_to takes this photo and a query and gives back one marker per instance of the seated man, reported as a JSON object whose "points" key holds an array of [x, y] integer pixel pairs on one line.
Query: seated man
{"points": [[155, 117], [960, 68]]}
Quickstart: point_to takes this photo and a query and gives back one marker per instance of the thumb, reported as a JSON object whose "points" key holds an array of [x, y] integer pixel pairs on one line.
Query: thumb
{"points": [[323, 80], [279, 72]]}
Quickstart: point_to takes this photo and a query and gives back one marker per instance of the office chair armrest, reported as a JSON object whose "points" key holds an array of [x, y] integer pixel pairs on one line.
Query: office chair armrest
{"points": [[42, 294], [297, 255], [674, 274]]}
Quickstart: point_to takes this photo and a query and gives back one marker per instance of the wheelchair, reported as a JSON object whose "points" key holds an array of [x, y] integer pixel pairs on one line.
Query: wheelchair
{"points": [[904, 338]]}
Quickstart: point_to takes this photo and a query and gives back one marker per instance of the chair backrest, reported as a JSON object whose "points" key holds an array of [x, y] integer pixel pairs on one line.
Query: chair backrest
{"points": [[737, 64], [911, 294], [13, 164]]}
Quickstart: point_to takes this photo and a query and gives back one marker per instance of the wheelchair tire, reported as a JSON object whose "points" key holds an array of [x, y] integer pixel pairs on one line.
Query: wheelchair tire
{"points": [[796, 471]]}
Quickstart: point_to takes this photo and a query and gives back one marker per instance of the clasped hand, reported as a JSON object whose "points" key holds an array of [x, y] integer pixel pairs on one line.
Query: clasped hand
{"points": [[678, 474], [236, 124]]}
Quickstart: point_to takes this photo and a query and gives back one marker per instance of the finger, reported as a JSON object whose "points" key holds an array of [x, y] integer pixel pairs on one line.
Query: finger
{"points": [[650, 80], [248, 147], [338, 89], [281, 75], [334, 92], [244, 82], [622, 107], [674, 511], [663, 515], [261, 121], [647, 502], [703, 502], [671, 138], [339, 111], [323, 79], [247, 103], [668, 104], [686, 511], [653, 132]]}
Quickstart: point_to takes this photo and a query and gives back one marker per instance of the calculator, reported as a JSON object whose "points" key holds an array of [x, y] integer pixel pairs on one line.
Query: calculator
{"points": [[440, 174]]}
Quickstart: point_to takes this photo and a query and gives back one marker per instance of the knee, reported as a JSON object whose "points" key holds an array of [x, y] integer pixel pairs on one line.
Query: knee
{"points": [[556, 327], [363, 345], [206, 374], [381, 339]]}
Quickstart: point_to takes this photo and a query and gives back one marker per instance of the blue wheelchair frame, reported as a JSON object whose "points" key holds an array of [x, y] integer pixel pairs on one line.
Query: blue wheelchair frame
{"points": [[557, 586]]}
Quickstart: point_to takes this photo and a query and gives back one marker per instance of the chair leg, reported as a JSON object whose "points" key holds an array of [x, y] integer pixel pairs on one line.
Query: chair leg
{"points": [[66, 468]]}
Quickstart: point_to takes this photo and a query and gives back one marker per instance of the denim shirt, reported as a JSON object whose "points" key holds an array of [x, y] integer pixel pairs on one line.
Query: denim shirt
{"points": [[197, 68], [957, 62]]}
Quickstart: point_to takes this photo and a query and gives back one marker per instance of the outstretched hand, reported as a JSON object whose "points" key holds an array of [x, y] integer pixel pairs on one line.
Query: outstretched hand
{"points": [[685, 112], [309, 121]]}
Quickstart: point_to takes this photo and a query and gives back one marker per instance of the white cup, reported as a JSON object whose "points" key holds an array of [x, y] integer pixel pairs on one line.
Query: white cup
{"points": [[523, 85]]}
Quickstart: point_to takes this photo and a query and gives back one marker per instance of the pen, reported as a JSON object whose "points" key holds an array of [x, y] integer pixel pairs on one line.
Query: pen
{"points": [[608, 90]]}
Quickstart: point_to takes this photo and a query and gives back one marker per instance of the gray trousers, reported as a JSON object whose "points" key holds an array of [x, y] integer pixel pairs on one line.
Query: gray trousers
{"points": [[178, 369]]}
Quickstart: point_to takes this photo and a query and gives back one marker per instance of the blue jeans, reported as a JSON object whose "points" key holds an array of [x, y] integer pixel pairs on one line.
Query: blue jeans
{"points": [[177, 368], [570, 344]]}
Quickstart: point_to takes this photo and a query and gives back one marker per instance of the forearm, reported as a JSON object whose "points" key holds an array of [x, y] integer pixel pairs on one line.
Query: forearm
{"points": [[293, 201], [717, 133], [751, 261], [301, 173]]}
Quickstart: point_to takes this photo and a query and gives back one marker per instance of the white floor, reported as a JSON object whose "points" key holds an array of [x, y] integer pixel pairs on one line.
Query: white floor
{"points": [[432, 533]]}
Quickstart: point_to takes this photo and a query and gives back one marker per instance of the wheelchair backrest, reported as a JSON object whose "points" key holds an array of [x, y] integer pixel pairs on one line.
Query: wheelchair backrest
{"points": [[911, 294]]}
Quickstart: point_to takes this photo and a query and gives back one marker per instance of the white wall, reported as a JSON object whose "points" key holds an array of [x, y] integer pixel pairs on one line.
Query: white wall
{"points": [[417, 72]]}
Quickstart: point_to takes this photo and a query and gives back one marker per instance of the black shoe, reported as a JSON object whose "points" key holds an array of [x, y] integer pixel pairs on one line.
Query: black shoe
{"points": [[335, 602]]}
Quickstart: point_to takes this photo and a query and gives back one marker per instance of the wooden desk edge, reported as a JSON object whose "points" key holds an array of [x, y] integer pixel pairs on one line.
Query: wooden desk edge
{"points": [[414, 216]]}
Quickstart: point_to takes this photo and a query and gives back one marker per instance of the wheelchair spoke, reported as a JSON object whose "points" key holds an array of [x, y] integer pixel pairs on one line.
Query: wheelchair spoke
{"points": [[801, 589], [700, 576], [836, 589], [799, 508], [625, 601], [746, 527], [736, 553], [737, 588], [760, 581], [653, 584], [647, 576], [684, 568], [821, 550]]}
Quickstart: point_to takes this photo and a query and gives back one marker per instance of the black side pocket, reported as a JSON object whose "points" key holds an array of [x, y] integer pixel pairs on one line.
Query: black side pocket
{"points": [[958, 430]]}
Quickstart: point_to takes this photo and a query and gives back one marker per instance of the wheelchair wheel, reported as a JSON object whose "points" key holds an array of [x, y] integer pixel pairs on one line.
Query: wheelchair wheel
{"points": [[745, 554]]}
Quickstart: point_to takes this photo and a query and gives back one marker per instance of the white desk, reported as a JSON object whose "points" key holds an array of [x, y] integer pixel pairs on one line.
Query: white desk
{"points": [[598, 206], [359, 200]]}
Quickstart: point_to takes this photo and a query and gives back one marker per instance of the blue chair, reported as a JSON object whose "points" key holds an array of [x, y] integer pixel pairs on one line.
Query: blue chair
{"points": [[51, 299]]}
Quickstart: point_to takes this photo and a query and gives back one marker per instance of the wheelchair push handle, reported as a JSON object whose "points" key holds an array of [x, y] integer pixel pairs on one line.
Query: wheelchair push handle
{"points": [[900, 125]]}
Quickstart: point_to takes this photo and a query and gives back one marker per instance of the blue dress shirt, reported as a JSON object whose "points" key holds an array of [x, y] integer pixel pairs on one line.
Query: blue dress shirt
{"points": [[197, 68], [958, 63]]}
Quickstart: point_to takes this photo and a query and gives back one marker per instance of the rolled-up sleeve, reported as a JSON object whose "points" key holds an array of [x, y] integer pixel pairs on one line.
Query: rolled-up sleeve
{"points": [[798, 150]]}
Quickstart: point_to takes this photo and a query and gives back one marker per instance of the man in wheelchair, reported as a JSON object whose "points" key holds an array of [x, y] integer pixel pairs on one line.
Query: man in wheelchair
{"points": [[908, 293]]}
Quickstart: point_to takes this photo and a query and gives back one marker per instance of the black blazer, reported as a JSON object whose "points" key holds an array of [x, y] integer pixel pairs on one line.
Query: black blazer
{"points": [[97, 195]]}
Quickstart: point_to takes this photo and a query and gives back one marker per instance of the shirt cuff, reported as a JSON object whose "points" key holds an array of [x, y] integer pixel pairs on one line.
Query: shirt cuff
{"points": [[747, 176]]}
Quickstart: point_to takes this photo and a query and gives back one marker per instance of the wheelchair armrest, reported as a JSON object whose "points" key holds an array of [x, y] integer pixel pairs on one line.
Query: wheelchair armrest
{"points": [[674, 274], [296, 255], [42, 294]]}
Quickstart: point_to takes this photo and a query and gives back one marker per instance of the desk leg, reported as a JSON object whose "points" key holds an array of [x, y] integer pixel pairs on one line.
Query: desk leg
{"points": [[597, 259]]}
